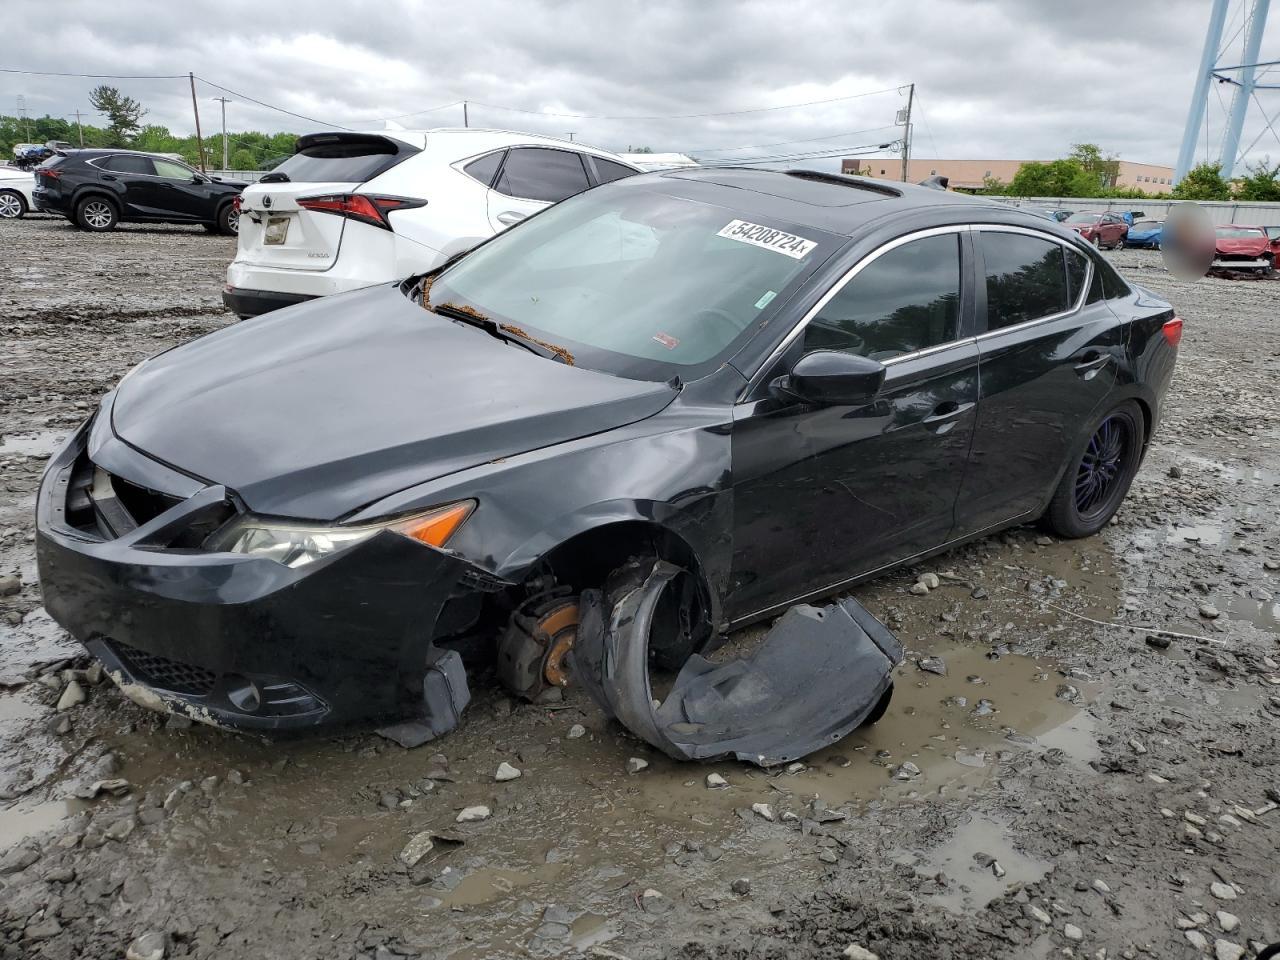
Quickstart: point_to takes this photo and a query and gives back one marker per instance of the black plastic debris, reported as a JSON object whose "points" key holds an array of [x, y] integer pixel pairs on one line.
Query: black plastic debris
{"points": [[445, 696], [820, 672]]}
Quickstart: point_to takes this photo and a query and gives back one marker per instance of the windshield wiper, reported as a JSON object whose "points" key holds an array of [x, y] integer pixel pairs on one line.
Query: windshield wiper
{"points": [[498, 330]]}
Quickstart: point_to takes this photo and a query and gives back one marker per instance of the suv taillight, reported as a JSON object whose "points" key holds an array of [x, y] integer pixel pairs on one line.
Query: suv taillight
{"points": [[358, 206], [51, 173]]}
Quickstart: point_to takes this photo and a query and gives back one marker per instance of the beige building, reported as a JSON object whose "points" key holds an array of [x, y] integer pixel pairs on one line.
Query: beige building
{"points": [[971, 174]]}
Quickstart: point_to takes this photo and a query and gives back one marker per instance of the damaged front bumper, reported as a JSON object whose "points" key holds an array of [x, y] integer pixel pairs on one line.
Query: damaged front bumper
{"points": [[820, 673], [243, 641]]}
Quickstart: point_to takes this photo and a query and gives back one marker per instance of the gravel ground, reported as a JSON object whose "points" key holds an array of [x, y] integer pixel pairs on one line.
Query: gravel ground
{"points": [[1067, 788]]}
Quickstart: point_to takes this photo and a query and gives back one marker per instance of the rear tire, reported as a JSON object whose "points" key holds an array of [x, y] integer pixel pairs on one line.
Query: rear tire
{"points": [[13, 205], [1099, 474], [96, 214], [229, 220]]}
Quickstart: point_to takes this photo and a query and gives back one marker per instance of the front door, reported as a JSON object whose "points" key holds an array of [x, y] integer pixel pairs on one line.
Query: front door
{"points": [[823, 494], [1049, 359], [183, 196]]}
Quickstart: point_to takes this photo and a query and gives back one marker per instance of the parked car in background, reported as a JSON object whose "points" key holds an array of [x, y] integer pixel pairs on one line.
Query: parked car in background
{"points": [[1145, 233], [297, 521], [1104, 230], [349, 210], [15, 192], [97, 188], [1243, 248]]}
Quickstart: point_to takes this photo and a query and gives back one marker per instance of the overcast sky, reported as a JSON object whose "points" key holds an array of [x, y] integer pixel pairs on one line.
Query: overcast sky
{"points": [[1000, 79]]}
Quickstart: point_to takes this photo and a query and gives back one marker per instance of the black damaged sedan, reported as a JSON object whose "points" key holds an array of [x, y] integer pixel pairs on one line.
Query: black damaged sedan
{"points": [[780, 383]]}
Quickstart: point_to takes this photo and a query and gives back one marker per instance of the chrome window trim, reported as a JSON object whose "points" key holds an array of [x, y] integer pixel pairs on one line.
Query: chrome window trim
{"points": [[1048, 318], [840, 284], [150, 176]]}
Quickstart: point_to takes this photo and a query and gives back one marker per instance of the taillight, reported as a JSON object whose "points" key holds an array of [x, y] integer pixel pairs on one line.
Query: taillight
{"points": [[235, 203], [1172, 331], [358, 206], [51, 174]]}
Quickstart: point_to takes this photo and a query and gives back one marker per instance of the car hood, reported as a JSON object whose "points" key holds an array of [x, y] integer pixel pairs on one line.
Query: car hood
{"points": [[1243, 245], [319, 409]]}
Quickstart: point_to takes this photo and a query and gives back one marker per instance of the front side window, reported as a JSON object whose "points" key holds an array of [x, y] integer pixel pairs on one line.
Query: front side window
{"points": [[905, 300], [537, 173], [1026, 278], [173, 171], [126, 163], [635, 282]]}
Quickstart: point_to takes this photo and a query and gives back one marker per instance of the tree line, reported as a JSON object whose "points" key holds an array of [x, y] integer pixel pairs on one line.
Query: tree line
{"points": [[1087, 172]]}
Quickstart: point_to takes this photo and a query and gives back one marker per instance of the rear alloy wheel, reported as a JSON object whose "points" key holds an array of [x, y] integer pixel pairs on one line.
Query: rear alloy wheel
{"points": [[12, 205], [229, 220], [96, 214], [1095, 484]]}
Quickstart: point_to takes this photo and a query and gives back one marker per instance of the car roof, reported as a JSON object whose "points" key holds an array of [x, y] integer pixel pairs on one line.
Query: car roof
{"points": [[833, 202], [89, 152], [471, 141]]}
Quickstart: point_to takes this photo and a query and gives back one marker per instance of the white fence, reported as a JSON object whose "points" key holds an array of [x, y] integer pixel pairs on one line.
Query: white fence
{"points": [[1245, 214], [244, 176]]}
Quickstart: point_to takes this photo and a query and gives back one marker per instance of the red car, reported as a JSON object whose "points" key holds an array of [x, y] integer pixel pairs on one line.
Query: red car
{"points": [[1243, 248], [1101, 229]]}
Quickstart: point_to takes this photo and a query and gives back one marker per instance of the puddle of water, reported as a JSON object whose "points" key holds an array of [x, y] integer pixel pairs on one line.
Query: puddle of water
{"points": [[966, 859], [40, 444], [1263, 614], [35, 639], [490, 883], [23, 820], [1206, 534]]}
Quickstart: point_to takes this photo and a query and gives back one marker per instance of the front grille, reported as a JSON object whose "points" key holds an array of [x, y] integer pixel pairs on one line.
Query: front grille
{"points": [[154, 670]]}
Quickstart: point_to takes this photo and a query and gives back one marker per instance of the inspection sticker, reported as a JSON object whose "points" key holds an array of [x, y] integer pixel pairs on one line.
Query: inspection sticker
{"points": [[778, 241]]}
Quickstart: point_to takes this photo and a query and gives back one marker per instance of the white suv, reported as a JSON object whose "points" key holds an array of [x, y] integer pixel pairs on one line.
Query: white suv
{"points": [[15, 192], [349, 210]]}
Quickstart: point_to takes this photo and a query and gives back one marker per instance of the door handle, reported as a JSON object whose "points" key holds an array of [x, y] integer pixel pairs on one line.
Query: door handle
{"points": [[1089, 363], [107, 176], [945, 415], [508, 217]]}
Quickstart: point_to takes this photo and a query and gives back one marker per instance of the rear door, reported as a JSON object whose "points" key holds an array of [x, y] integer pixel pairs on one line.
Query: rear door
{"points": [[532, 178], [276, 232], [135, 177], [1049, 359]]}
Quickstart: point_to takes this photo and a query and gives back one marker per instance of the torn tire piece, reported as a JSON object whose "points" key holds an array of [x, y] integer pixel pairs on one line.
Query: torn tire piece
{"points": [[820, 672]]}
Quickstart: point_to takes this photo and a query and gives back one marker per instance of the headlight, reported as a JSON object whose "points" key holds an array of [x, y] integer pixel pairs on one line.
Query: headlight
{"points": [[296, 544]]}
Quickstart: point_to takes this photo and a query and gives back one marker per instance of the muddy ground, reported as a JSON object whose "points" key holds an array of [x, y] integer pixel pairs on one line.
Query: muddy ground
{"points": [[1067, 788]]}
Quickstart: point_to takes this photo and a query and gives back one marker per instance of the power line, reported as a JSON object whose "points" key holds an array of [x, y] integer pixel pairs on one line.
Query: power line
{"points": [[780, 143], [404, 116], [271, 106], [96, 76], [684, 116], [927, 129], [853, 150]]}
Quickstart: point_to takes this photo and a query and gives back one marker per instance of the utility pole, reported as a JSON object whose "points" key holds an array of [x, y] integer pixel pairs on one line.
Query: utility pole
{"points": [[195, 107], [571, 133], [224, 102], [904, 120], [465, 122], [22, 112], [80, 129]]}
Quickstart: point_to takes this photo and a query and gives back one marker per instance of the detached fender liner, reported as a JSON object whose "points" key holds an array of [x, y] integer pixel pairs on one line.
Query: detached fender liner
{"points": [[820, 672]]}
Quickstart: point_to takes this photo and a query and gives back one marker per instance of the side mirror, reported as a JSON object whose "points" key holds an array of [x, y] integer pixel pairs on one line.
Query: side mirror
{"points": [[832, 377]]}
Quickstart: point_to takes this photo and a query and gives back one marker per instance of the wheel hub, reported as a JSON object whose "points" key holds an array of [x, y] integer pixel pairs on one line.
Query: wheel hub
{"points": [[532, 651]]}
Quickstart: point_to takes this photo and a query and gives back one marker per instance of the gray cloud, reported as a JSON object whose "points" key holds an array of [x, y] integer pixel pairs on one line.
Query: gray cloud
{"points": [[995, 78]]}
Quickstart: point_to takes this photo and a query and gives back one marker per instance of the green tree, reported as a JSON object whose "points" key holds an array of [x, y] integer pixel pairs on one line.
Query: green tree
{"points": [[1104, 170], [1057, 178], [243, 159], [123, 114], [1262, 183], [995, 186], [1203, 182]]}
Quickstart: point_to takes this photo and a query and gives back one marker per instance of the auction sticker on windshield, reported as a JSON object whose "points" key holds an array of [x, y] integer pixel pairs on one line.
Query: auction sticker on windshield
{"points": [[778, 241]]}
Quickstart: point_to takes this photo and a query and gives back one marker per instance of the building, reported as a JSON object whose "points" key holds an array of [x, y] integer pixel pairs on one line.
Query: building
{"points": [[649, 162], [971, 174]]}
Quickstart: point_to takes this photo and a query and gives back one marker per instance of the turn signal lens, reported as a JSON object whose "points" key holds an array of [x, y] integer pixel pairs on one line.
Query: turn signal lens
{"points": [[435, 528], [1172, 331]]}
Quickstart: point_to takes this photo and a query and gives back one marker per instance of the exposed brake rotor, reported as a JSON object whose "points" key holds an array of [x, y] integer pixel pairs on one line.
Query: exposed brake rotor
{"points": [[533, 649]]}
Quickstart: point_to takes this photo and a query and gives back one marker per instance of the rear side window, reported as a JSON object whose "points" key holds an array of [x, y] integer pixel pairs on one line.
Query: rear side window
{"points": [[348, 160], [129, 164], [607, 171], [1077, 271], [905, 300], [536, 173], [484, 168], [1026, 278]]}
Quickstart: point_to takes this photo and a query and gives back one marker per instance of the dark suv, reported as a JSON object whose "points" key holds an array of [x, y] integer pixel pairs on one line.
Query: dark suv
{"points": [[96, 189]]}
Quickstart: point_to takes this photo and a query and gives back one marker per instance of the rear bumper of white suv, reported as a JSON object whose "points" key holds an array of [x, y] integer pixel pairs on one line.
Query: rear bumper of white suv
{"points": [[369, 256]]}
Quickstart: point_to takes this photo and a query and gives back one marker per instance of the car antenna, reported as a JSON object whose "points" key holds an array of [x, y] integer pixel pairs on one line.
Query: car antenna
{"points": [[937, 182]]}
